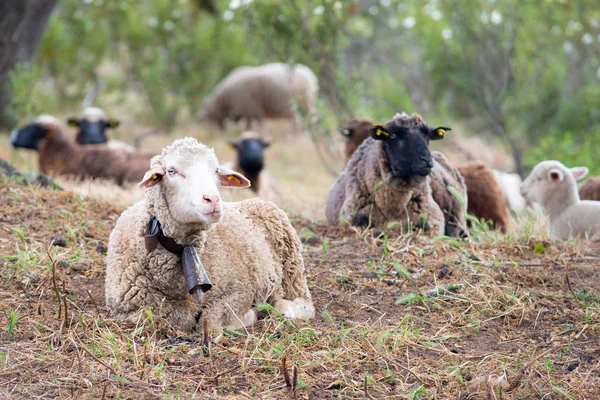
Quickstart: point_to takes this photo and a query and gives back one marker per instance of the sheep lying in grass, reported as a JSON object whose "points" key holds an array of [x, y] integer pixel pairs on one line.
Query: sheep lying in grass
{"points": [[250, 161], [510, 186], [486, 200], [389, 178], [355, 132], [59, 155], [554, 186], [256, 93], [590, 189], [249, 249], [93, 126]]}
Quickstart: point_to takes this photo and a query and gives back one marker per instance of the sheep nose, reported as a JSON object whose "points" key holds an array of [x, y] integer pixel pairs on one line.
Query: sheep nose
{"points": [[211, 199], [427, 163]]}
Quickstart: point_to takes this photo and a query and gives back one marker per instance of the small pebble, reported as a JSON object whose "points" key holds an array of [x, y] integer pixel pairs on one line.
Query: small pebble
{"points": [[58, 241]]}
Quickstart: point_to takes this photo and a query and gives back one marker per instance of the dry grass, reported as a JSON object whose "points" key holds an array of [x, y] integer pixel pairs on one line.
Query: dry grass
{"points": [[511, 316], [404, 317]]}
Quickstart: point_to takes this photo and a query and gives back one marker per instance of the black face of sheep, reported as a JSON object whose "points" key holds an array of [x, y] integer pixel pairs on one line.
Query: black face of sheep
{"points": [[29, 136], [250, 155], [92, 132], [407, 147]]}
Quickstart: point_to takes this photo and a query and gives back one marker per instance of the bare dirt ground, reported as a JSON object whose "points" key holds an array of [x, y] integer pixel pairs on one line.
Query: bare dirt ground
{"points": [[403, 317]]}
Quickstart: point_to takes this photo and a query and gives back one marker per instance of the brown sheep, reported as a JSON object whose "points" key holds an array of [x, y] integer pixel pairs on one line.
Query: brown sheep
{"points": [[59, 155], [355, 132], [486, 200], [590, 189]]}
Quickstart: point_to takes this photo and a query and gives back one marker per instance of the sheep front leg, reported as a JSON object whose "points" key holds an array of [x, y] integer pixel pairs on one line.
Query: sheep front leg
{"points": [[424, 213], [229, 312], [356, 208]]}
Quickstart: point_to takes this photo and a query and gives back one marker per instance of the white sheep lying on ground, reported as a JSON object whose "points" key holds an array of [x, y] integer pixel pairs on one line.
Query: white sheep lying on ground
{"points": [[509, 185], [554, 186], [249, 249]]}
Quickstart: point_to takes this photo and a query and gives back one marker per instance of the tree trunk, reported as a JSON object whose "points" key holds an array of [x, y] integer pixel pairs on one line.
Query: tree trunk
{"points": [[22, 24]]}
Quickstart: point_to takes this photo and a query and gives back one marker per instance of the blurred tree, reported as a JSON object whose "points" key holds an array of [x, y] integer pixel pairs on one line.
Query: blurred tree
{"points": [[22, 24]]}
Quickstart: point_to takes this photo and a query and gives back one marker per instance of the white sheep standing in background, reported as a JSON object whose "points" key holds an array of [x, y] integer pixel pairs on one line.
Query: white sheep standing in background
{"points": [[265, 91], [249, 249], [554, 186]]}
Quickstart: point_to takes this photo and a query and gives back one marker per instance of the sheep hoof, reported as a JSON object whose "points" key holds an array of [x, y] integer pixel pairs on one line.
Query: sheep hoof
{"points": [[360, 220], [247, 319], [296, 309]]}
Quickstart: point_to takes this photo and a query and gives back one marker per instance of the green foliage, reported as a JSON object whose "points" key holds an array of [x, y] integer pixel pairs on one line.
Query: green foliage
{"points": [[572, 150], [523, 71]]}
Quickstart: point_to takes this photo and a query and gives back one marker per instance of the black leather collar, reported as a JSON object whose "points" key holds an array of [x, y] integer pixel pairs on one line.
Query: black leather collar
{"points": [[196, 279]]}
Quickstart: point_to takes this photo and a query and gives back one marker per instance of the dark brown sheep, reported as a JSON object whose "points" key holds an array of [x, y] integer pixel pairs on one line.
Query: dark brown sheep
{"points": [[59, 155], [590, 189], [355, 132], [486, 200]]}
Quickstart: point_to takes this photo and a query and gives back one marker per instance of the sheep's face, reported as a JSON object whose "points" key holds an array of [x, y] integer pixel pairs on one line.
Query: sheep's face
{"points": [[406, 144], [550, 178], [30, 136], [355, 132], [189, 182], [92, 130], [250, 154]]}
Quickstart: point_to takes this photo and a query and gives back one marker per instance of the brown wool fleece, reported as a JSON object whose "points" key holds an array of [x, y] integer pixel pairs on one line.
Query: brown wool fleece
{"points": [[590, 189], [359, 132], [486, 200], [59, 155]]}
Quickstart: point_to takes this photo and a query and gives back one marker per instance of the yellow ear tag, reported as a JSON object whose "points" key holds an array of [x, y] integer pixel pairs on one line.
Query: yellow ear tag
{"points": [[441, 132], [154, 177], [381, 132], [346, 132], [232, 177]]}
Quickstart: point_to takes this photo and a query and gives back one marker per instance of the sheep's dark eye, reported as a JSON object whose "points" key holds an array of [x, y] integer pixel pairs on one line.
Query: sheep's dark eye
{"points": [[171, 171]]}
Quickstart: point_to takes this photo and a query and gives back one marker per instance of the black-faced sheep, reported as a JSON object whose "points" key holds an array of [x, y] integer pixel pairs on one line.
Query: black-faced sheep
{"points": [[590, 189], [389, 178], [256, 93], [250, 161], [554, 186], [93, 126], [486, 200], [355, 132], [59, 155], [250, 251]]}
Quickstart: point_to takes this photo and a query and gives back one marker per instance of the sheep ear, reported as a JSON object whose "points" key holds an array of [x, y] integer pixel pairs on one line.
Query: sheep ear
{"points": [[378, 132], [230, 178], [113, 123], [74, 122], [152, 176], [579, 172], [555, 175], [438, 133]]}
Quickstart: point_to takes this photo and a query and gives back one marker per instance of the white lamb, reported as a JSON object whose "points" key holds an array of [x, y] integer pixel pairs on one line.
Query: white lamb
{"points": [[554, 186], [250, 251], [509, 185]]}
